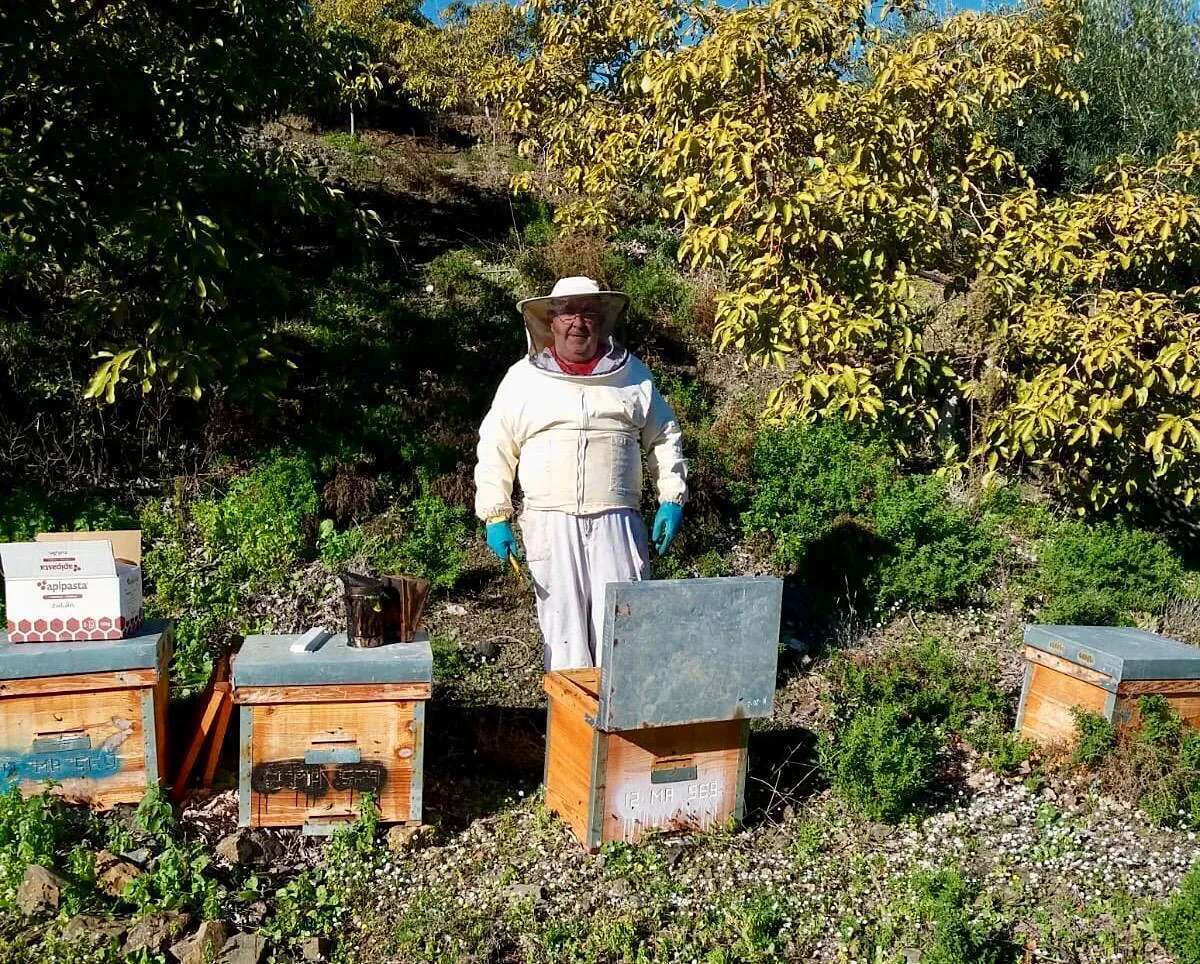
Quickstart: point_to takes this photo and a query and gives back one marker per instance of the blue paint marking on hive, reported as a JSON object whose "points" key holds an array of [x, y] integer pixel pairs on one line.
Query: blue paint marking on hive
{"points": [[58, 758]]}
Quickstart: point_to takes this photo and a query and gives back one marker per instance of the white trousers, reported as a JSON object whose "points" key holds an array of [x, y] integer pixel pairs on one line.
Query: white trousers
{"points": [[572, 558]]}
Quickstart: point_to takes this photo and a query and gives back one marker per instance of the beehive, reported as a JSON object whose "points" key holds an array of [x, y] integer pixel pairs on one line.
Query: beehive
{"points": [[1104, 670], [318, 731], [89, 718], [655, 739]]}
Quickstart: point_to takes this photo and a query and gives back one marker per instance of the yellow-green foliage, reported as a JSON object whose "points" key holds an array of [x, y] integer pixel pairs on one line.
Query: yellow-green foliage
{"points": [[821, 194], [830, 166], [454, 67], [1096, 332]]}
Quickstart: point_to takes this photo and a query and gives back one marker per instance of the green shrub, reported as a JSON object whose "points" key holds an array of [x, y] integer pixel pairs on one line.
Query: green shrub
{"points": [[359, 156], [955, 937], [932, 683], [655, 287], [263, 525], [471, 311], [1159, 724], [805, 477], [31, 831], [449, 661], [335, 548], [186, 587], [23, 514], [882, 761], [1095, 737], [179, 877], [691, 400], [102, 516], [1103, 574], [825, 491], [656, 239], [891, 715], [320, 900], [455, 275], [1155, 763], [937, 553], [1177, 922], [540, 228], [1162, 756], [206, 557], [434, 543], [1005, 507]]}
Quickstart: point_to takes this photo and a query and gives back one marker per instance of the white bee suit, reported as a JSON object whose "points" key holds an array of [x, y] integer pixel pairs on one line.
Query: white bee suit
{"points": [[575, 443], [571, 559]]}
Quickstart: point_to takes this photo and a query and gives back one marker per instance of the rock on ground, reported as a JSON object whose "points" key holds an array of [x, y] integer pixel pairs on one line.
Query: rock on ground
{"points": [[203, 946], [40, 891], [113, 873], [237, 848], [86, 928], [400, 838], [315, 949], [243, 948], [156, 932]]}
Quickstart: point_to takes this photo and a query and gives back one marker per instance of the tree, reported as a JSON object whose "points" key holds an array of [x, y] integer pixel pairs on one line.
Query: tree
{"points": [[845, 175], [137, 220], [1139, 67], [455, 67], [361, 31], [1091, 365]]}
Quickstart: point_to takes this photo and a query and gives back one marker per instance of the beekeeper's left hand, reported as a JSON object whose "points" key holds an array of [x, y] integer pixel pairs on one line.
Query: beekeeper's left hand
{"points": [[666, 525]]}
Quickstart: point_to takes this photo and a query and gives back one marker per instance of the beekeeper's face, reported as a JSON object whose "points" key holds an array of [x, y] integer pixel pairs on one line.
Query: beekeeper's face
{"points": [[576, 329]]}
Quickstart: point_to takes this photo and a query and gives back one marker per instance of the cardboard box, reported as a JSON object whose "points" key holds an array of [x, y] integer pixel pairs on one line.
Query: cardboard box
{"points": [[71, 589], [126, 543]]}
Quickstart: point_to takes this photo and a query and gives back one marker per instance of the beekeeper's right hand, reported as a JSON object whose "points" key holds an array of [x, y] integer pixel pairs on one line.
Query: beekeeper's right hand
{"points": [[501, 541]]}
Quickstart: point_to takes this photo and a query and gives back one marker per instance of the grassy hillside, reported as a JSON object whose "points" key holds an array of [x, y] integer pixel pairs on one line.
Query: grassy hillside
{"points": [[892, 816]]}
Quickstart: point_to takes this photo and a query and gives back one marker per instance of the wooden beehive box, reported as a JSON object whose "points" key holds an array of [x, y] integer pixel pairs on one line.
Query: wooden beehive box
{"points": [[320, 730], [89, 718], [655, 738], [1102, 669]]}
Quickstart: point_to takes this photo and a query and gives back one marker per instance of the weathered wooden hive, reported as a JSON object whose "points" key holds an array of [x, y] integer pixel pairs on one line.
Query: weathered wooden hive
{"points": [[320, 730], [1104, 670], [89, 718], [655, 739]]}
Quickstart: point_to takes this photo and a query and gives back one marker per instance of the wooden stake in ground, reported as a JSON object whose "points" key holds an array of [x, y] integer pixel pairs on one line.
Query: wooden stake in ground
{"points": [[214, 722]]}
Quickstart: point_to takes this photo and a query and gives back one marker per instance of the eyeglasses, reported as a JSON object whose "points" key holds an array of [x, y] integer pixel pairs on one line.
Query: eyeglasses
{"points": [[593, 317], [568, 310]]}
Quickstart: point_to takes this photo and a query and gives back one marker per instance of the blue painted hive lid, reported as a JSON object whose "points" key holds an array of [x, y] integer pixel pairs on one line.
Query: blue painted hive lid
{"points": [[147, 650], [1122, 652], [269, 661]]}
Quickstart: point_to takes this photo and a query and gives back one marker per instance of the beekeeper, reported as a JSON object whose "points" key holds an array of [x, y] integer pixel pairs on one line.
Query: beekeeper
{"points": [[571, 422]]}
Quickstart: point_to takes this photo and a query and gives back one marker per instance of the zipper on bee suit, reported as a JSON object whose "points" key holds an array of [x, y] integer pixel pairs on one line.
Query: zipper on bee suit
{"points": [[581, 455]]}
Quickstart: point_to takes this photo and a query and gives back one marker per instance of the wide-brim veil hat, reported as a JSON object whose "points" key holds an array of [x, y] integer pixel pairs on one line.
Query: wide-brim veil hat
{"points": [[537, 312]]}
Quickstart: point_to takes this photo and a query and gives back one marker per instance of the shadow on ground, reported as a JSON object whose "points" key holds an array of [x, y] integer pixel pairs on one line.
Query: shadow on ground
{"points": [[478, 758], [782, 773]]}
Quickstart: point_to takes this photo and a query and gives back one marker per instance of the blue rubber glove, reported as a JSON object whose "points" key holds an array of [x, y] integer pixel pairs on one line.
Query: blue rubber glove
{"points": [[666, 525], [501, 541]]}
